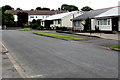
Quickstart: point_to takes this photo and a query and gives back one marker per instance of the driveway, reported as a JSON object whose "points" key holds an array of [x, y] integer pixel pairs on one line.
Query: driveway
{"points": [[54, 58]]}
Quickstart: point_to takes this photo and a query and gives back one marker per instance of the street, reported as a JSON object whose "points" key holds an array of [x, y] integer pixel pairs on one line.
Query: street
{"points": [[54, 58]]}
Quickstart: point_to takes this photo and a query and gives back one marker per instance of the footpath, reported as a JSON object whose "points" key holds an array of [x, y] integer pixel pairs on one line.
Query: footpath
{"points": [[8, 70], [103, 35]]}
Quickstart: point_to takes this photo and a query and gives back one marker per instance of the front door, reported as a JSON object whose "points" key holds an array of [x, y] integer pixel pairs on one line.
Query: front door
{"points": [[115, 24]]}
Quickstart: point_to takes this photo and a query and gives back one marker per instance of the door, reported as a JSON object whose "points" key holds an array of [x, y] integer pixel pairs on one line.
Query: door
{"points": [[115, 24]]}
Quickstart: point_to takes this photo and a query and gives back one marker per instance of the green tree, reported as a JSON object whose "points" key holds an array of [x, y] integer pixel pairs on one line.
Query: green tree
{"points": [[86, 8], [6, 7], [38, 8], [18, 9], [7, 19], [67, 7], [45, 8], [22, 18], [34, 21], [59, 9]]}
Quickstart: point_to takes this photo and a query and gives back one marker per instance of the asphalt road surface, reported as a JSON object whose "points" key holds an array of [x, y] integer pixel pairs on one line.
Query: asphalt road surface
{"points": [[54, 58]]}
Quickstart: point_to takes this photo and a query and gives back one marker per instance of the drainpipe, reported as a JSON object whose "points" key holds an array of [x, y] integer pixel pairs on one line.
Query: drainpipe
{"points": [[73, 22]]}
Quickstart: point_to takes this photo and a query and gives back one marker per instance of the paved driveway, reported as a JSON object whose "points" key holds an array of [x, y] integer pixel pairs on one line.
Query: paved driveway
{"points": [[53, 58]]}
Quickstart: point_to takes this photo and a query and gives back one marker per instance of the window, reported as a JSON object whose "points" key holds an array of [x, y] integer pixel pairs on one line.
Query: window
{"points": [[36, 16], [31, 16], [76, 23], [103, 22]]}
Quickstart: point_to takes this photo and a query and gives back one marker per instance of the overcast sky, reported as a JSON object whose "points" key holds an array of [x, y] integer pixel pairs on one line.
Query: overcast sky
{"points": [[54, 4]]}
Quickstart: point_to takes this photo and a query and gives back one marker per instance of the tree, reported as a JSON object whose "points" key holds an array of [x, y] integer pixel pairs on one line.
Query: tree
{"points": [[18, 9], [32, 9], [6, 7], [86, 8], [67, 7], [45, 8], [59, 9], [7, 19], [38, 8], [22, 18]]}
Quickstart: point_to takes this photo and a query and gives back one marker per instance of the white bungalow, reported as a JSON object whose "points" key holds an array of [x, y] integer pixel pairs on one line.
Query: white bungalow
{"points": [[106, 19], [109, 20], [63, 19]]}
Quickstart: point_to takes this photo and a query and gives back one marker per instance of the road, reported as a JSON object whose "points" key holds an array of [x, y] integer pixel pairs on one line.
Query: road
{"points": [[54, 58]]}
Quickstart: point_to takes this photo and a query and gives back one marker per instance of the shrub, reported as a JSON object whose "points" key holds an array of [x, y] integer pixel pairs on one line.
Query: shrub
{"points": [[97, 29], [35, 26], [26, 25]]}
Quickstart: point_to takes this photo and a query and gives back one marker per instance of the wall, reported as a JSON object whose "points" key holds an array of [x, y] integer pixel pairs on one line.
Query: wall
{"points": [[102, 27], [55, 24], [36, 17], [93, 24], [31, 17], [15, 18], [67, 20]]}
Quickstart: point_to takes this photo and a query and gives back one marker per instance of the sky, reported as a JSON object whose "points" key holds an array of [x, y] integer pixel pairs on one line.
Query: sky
{"points": [[54, 4]]}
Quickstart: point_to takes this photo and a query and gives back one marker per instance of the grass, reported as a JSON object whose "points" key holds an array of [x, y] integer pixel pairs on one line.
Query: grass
{"points": [[60, 36], [25, 29], [115, 47]]}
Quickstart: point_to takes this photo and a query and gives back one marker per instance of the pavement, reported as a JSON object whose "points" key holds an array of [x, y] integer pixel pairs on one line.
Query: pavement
{"points": [[114, 36], [45, 57], [8, 69]]}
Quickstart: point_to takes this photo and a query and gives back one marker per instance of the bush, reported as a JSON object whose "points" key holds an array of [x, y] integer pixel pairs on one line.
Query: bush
{"points": [[26, 25], [97, 29], [35, 26]]}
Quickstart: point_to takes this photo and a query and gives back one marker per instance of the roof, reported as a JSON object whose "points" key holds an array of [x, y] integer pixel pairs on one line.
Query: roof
{"points": [[110, 13], [61, 16], [36, 12], [91, 14]]}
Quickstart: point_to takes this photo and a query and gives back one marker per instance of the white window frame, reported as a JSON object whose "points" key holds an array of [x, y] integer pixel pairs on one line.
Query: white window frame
{"points": [[101, 22]]}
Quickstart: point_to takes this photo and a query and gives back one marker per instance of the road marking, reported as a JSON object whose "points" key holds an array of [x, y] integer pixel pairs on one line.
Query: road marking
{"points": [[36, 76]]}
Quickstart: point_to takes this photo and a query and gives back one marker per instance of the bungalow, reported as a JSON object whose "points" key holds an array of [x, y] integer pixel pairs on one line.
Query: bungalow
{"points": [[103, 19], [35, 14], [62, 20], [109, 20]]}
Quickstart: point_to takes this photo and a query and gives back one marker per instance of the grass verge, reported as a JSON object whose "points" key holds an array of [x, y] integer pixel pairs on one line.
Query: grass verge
{"points": [[115, 47], [60, 36]]}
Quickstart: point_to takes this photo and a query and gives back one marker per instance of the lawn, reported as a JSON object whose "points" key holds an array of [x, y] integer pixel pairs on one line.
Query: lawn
{"points": [[115, 47], [60, 36]]}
